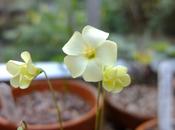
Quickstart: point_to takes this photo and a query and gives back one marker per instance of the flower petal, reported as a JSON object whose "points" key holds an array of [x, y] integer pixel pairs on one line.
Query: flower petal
{"points": [[13, 67], [24, 82], [26, 57], [117, 89], [121, 70], [125, 79], [32, 69], [75, 45], [115, 78], [76, 65], [107, 53], [93, 72], [108, 85], [94, 35], [112, 88], [15, 81]]}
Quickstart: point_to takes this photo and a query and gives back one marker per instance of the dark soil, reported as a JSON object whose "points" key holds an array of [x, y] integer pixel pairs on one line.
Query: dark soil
{"points": [[107, 125], [138, 99], [38, 108]]}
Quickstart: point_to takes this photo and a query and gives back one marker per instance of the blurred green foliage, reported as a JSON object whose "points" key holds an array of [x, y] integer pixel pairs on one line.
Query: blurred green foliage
{"points": [[128, 16], [163, 49], [44, 26], [47, 27], [144, 49]]}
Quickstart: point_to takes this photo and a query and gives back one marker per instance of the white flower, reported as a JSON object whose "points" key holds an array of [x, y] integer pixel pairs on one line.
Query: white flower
{"points": [[23, 72], [88, 53]]}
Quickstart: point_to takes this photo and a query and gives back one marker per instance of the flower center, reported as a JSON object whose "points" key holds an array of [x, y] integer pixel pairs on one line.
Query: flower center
{"points": [[89, 52]]}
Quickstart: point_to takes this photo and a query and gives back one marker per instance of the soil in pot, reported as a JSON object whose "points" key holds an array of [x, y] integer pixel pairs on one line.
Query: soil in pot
{"points": [[84, 120], [132, 106], [139, 100], [38, 107]]}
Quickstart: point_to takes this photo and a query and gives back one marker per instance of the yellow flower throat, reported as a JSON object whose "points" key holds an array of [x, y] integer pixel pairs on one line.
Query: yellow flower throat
{"points": [[89, 52]]}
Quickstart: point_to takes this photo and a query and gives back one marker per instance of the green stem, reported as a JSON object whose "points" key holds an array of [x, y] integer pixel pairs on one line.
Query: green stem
{"points": [[22, 126], [55, 101], [102, 109], [99, 112]]}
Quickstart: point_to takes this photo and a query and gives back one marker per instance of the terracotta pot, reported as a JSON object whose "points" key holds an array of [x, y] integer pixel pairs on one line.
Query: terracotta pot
{"points": [[147, 125], [86, 91], [121, 118]]}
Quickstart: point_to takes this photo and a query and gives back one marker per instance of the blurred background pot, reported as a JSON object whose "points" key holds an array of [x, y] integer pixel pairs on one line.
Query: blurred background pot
{"points": [[84, 90], [127, 109], [123, 119]]}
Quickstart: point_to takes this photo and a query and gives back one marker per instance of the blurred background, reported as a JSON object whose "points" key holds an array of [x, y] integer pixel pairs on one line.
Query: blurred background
{"points": [[138, 26]]}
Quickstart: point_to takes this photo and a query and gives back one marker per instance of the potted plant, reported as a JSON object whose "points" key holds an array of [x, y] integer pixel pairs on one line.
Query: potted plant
{"points": [[89, 55], [83, 90]]}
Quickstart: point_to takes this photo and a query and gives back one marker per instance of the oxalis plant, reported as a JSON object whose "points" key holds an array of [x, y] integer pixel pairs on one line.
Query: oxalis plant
{"points": [[90, 55], [22, 75]]}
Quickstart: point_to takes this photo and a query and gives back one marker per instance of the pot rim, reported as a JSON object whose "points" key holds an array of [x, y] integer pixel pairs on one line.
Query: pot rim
{"points": [[87, 87], [147, 124]]}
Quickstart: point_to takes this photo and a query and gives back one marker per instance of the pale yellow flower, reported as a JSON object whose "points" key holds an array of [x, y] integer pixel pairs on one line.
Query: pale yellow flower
{"points": [[115, 78], [143, 57], [22, 72], [88, 52], [34, 17]]}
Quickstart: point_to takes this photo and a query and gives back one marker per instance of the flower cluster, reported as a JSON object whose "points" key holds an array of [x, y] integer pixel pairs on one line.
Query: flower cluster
{"points": [[92, 56], [89, 54]]}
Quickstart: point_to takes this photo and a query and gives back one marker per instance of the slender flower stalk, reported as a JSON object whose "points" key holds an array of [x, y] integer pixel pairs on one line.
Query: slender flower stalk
{"points": [[22, 126], [98, 114], [54, 100], [102, 109]]}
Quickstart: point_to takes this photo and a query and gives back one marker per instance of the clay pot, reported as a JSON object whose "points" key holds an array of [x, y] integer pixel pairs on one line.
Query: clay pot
{"points": [[121, 118], [147, 125], [84, 90]]}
